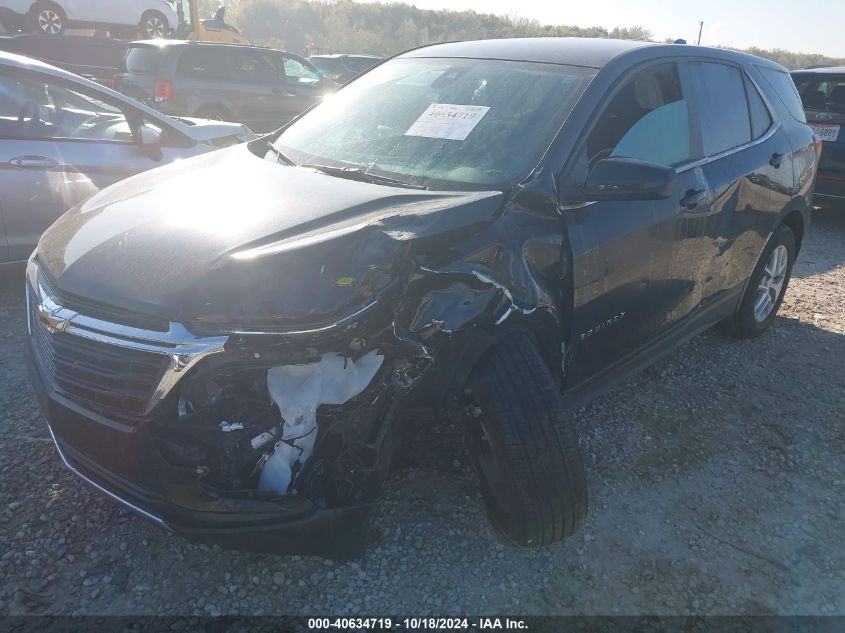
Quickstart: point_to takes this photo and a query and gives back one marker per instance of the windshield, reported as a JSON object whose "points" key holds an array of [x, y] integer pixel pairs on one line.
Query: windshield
{"points": [[440, 123]]}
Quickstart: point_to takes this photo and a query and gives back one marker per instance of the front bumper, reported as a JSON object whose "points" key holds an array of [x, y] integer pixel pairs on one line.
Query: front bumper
{"points": [[122, 462]]}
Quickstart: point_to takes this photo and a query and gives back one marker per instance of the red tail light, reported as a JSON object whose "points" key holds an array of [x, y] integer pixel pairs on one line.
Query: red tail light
{"points": [[114, 81], [163, 90], [818, 141]]}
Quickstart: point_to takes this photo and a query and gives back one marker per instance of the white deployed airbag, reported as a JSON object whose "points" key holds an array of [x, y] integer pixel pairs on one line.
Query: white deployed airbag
{"points": [[298, 390]]}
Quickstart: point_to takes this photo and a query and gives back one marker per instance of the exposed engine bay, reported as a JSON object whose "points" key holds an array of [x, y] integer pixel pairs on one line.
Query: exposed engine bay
{"points": [[315, 428]]}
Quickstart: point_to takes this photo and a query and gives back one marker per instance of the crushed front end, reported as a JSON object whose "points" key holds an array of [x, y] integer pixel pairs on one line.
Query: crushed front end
{"points": [[185, 429]]}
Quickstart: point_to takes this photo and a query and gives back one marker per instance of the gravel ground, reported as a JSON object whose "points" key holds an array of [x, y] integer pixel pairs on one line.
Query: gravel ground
{"points": [[716, 487]]}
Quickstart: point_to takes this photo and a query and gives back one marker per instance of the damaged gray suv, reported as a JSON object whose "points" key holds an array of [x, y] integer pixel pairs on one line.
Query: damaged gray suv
{"points": [[498, 229]]}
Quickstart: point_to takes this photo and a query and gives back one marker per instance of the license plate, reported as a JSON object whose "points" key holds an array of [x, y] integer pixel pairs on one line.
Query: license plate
{"points": [[826, 132]]}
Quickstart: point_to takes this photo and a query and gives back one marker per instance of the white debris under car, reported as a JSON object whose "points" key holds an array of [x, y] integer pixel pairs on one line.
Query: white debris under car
{"points": [[298, 390]]}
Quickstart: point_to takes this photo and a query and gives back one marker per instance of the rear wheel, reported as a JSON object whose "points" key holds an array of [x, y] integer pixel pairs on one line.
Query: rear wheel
{"points": [[524, 446], [766, 287], [49, 19], [154, 25]]}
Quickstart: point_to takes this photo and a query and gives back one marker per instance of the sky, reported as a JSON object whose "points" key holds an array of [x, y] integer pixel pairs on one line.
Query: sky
{"points": [[809, 27]]}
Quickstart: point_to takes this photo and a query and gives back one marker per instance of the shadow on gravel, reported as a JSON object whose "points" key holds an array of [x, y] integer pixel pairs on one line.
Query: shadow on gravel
{"points": [[824, 245]]}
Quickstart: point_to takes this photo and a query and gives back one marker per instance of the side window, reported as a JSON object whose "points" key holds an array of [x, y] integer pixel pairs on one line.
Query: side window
{"points": [[647, 120], [298, 73], [201, 63], [761, 118], [252, 66], [31, 108], [725, 119]]}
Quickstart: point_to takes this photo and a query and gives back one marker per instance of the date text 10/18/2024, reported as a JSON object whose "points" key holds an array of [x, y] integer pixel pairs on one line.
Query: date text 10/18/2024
{"points": [[416, 624]]}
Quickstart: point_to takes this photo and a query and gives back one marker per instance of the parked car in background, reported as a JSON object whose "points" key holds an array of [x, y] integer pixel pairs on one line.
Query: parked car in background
{"points": [[822, 92], [502, 229], [260, 87], [150, 18], [94, 58], [342, 67], [64, 138]]}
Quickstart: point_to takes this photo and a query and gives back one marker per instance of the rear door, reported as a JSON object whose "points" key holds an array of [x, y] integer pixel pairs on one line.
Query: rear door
{"points": [[823, 96], [259, 84], [747, 165], [59, 144]]}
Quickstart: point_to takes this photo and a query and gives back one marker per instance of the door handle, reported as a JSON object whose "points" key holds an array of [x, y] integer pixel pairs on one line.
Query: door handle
{"points": [[692, 197], [33, 162], [776, 160], [278, 91]]}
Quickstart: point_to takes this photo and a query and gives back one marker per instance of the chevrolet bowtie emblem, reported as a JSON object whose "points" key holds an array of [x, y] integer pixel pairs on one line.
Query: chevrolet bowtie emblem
{"points": [[55, 319]]}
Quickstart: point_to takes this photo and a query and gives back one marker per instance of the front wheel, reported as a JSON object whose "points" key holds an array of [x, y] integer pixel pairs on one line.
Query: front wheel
{"points": [[154, 25], [524, 446], [766, 287]]}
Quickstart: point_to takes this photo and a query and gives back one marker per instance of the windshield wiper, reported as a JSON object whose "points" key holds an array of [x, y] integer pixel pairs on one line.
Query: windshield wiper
{"points": [[355, 173], [280, 155]]}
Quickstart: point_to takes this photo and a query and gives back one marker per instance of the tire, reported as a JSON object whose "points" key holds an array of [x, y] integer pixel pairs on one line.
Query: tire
{"points": [[214, 112], [525, 447], [48, 19], [154, 25], [748, 321]]}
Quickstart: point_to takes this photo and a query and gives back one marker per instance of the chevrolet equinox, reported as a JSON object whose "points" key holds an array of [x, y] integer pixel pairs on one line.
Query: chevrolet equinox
{"points": [[499, 229]]}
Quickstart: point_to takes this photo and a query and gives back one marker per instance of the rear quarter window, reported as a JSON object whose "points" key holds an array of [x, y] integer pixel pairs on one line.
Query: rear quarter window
{"points": [[761, 118], [781, 83], [142, 60]]}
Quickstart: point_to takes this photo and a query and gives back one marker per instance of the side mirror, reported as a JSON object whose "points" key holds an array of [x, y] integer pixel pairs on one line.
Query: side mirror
{"points": [[150, 141], [149, 137], [618, 178]]}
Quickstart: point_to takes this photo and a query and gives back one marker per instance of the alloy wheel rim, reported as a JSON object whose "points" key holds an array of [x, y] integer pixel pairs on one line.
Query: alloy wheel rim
{"points": [[49, 22], [771, 284], [155, 27]]}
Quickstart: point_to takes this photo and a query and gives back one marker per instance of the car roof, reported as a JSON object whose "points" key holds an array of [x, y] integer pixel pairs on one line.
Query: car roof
{"points": [[346, 56], [162, 43], [575, 51], [821, 70]]}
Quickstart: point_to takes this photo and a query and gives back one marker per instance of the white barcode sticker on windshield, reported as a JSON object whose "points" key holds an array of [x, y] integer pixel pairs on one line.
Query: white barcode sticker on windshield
{"points": [[447, 120]]}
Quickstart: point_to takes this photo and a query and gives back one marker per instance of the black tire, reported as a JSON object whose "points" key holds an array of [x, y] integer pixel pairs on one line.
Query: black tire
{"points": [[525, 446], [48, 19], [745, 324], [214, 112], [154, 25]]}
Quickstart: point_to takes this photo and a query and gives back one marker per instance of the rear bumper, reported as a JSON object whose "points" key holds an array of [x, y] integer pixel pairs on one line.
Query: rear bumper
{"points": [[123, 463]]}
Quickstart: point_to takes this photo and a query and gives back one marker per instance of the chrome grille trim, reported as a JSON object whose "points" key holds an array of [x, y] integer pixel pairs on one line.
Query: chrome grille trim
{"points": [[183, 349]]}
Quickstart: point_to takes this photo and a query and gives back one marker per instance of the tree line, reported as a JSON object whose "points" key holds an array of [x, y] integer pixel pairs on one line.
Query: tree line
{"points": [[334, 26]]}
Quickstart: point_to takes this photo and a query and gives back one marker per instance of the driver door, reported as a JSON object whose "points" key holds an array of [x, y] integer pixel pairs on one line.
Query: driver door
{"points": [[59, 144], [626, 286]]}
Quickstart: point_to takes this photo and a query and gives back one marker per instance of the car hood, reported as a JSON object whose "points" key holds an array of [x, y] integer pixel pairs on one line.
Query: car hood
{"points": [[232, 239]]}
